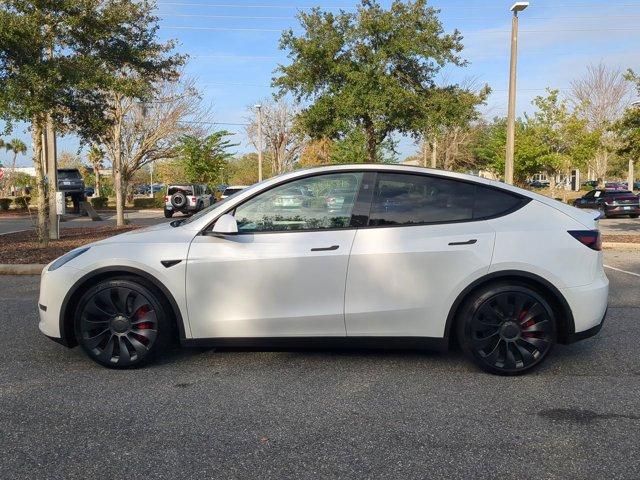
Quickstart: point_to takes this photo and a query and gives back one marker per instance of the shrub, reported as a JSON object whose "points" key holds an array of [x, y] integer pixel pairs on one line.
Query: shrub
{"points": [[156, 202], [4, 204], [21, 202], [99, 202]]}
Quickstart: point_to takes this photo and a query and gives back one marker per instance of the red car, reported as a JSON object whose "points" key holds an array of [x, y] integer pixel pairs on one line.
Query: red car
{"points": [[611, 203]]}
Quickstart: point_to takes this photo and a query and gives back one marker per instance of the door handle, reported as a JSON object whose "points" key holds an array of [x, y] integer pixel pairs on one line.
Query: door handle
{"points": [[468, 242], [325, 249]]}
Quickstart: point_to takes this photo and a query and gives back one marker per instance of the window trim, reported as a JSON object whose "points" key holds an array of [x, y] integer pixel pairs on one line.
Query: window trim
{"points": [[361, 202]]}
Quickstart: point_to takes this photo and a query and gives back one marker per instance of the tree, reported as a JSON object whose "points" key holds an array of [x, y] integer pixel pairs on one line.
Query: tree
{"points": [[144, 132], [373, 69], [352, 148], [18, 147], [205, 159], [61, 60], [316, 153], [282, 139], [599, 97], [243, 170], [95, 156]]}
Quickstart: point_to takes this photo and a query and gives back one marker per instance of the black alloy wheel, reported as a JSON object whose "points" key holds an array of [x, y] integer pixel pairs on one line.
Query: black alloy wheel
{"points": [[121, 323], [507, 329]]}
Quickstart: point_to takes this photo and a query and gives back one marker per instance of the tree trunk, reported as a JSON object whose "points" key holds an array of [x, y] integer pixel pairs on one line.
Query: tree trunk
{"points": [[372, 144], [117, 175], [434, 153], [41, 186], [96, 174]]}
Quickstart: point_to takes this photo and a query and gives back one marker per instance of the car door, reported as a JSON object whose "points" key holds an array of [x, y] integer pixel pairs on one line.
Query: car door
{"points": [[283, 274], [424, 242]]}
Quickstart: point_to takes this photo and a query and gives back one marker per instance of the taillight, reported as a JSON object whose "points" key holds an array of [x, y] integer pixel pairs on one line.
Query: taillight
{"points": [[590, 238], [193, 199], [166, 198]]}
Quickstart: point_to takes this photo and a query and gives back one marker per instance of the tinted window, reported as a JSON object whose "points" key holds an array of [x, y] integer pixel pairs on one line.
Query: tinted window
{"points": [[491, 202], [188, 190], [231, 191], [306, 204], [69, 174], [401, 199]]}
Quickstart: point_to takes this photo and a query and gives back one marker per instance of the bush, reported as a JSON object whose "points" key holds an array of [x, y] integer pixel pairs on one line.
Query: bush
{"points": [[156, 202], [4, 204], [21, 202], [99, 202]]}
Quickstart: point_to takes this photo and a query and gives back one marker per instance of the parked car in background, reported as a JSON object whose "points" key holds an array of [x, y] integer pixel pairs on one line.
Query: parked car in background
{"points": [[89, 192], [539, 183], [415, 258], [620, 186], [636, 185], [71, 183], [611, 203], [231, 189], [187, 198], [590, 184]]}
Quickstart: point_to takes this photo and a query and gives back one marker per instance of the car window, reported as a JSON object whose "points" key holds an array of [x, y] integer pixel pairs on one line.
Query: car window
{"points": [[69, 174], [591, 194], [402, 199], [303, 204], [491, 202], [185, 189]]}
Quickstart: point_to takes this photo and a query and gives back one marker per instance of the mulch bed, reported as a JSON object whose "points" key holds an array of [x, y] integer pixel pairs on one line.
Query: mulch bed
{"points": [[23, 247], [621, 238]]}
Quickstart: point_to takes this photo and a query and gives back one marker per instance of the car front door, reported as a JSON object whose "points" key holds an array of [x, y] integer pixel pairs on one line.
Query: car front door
{"points": [[284, 273], [424, 242]]}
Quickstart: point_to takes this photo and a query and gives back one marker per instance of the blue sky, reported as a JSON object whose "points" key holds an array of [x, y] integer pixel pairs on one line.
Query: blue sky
{"points": [[233, 45]]}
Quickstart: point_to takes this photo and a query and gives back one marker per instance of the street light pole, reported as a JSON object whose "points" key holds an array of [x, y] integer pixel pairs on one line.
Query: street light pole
{"points": [[631, 175], [511, 113], [260, 147]]}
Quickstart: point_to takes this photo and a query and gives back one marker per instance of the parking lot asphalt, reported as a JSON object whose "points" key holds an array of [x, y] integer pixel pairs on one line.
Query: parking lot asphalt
{"points": [[320, 414]]}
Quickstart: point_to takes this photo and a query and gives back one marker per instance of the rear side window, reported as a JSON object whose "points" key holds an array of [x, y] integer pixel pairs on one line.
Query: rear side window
{"points": [[184, 189], [405, 199], [491, 202], [401, 199]]}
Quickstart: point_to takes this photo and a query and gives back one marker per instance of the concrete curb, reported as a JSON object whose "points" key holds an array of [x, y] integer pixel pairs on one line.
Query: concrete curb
{"points": [[21, 269]]}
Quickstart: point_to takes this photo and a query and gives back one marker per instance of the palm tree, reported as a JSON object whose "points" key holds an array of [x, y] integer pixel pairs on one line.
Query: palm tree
{"points": [[18, 147]]}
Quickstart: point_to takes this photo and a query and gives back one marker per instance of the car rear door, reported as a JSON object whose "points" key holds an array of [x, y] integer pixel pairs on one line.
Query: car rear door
{"points": [[421, 246], [283, 274]]}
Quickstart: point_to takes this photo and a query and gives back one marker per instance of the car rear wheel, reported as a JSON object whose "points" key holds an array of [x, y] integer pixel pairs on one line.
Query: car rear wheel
{"points": [[122, 323], [635, 215], [506, 329], [168, 213]]}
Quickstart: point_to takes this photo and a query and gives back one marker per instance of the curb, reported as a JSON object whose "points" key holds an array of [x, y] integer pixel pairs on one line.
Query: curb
{"points": [[21, 269]]}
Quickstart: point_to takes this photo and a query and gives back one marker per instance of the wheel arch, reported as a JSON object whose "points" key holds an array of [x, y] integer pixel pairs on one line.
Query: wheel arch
{"points": [[551, 293], [92, 278]]}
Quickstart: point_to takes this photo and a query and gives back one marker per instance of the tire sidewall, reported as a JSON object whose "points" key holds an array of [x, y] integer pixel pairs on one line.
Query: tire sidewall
{"points": [[155, 299], [471, 305]]}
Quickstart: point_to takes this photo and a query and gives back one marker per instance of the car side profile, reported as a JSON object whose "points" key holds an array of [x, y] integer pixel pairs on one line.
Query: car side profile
{"points": [[382, 256]]}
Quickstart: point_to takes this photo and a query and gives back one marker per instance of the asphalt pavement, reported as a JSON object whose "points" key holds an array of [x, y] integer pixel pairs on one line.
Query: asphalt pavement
{"points": [[319, 414]]}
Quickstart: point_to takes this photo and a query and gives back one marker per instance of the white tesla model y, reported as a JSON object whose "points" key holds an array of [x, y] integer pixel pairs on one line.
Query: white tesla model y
{"points": [[370, 255]]}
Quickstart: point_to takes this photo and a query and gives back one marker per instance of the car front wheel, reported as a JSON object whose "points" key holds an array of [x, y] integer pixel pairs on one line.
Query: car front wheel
{"points": [[122, 323], [506, 329]]}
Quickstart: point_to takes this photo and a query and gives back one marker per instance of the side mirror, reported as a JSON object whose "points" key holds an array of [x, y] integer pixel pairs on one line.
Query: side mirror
{"points": [[225, 225]]}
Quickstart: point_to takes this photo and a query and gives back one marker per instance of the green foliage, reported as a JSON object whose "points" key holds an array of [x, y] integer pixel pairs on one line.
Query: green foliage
{"points": [[628, 127], [352, 148], [63, 59], [243, 170], [99, 202], [204, 159], [21, 202], [4, 204], [145, 202], [373, 68]]}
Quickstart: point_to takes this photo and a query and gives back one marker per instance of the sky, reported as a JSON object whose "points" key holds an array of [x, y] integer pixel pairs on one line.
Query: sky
{"points": [[233, 49]]}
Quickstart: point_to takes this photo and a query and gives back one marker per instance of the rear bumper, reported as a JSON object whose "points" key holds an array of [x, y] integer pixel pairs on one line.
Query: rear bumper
{"points": [[622, 210], [588, 304]]}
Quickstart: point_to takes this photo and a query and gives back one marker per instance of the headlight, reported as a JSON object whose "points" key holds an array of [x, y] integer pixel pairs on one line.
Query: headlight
{"points": [[67, 257]]}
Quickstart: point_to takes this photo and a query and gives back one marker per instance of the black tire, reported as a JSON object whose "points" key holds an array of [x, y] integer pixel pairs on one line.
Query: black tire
{"points": [[168, 213], [178, 200], [506, 328], [635, 215], [123, 322]]}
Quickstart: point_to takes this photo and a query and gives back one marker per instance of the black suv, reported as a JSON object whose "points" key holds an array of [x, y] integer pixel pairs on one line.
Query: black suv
{"points": [[71, 183], [611, 203]]}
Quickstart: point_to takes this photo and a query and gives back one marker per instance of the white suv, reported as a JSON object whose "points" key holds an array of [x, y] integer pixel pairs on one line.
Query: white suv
{"points": [[187, 199], [408, 257]]}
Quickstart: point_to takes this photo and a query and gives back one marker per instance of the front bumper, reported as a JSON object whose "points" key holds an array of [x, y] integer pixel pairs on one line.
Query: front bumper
{"points": [[53, 290]]}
